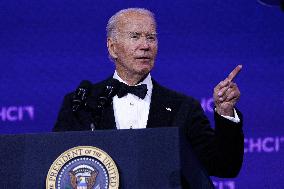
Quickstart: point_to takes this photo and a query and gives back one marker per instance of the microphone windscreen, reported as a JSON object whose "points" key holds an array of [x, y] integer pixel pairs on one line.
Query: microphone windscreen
{"points": [[113, 83], [85, 84], [81, 94]]}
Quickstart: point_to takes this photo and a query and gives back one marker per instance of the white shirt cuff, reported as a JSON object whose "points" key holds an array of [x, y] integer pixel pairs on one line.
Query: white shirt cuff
{"points": [[235, 119]]}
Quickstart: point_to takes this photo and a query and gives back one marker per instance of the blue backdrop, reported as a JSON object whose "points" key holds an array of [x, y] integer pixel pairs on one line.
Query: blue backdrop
{"points": [[48, 47]]}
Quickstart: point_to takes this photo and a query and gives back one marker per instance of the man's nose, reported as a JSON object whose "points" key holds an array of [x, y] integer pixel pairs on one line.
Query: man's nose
{"points": [[144, 44]]}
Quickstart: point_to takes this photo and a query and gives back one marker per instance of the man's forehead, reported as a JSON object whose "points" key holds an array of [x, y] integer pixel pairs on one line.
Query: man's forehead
{"points": [[134, 21]]}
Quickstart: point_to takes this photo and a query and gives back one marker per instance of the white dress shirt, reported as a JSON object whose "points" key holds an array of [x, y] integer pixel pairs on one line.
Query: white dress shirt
{"points": [[131, 112]]}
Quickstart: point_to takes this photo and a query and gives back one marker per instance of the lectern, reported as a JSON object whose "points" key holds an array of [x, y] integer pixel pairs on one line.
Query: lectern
{"points": [[159, 158]]}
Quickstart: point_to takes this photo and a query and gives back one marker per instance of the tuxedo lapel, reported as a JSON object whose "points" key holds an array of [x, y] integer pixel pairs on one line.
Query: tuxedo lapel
{"points": [[108, 120], [161, 108]]}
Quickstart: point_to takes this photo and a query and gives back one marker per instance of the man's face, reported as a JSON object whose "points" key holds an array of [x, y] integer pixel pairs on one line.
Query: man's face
{"points": [[136, 44]]}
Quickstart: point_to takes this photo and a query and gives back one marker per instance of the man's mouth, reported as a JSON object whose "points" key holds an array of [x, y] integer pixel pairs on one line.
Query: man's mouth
{"points": [[143, 58]]}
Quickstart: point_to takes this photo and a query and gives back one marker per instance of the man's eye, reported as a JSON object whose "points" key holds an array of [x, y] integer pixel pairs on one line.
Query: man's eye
{"points": [[151, 37], [134, 36]]}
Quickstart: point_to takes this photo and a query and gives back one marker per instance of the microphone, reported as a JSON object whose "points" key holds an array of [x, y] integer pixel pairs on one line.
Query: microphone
{"points": [[79, 99], [82, 99], [103, 100], [110, 91]]}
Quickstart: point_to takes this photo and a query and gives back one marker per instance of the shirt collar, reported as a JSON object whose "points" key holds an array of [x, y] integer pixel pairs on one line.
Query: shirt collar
{"points": [[147, 81]]}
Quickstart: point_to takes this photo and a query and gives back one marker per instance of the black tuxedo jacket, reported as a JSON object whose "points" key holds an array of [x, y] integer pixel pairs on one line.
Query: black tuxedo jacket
{"points": [[220, 150]]}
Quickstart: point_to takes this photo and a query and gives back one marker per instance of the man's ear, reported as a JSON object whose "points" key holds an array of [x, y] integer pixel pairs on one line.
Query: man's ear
{"points": [[111, 47]]}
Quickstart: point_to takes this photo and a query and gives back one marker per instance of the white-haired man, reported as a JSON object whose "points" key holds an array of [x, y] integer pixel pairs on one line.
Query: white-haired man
{"points": [[132, 44]]}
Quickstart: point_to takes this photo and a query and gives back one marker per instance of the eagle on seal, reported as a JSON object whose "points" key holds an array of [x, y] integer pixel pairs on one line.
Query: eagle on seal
{"points": [[90, 181]]}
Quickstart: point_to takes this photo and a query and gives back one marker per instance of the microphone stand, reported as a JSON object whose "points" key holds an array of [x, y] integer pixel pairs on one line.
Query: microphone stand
{"points": [[103, 101]]}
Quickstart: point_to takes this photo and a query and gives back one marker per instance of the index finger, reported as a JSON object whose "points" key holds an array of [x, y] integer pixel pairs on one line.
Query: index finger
{"points": [[234, 73]]}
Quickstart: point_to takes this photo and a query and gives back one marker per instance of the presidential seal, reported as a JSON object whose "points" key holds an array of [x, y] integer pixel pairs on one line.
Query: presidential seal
{"points": [[83, 167]]}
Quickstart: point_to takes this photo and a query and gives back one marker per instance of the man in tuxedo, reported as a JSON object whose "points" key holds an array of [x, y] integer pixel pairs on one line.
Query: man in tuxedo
{"points": [[140, 102]]}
